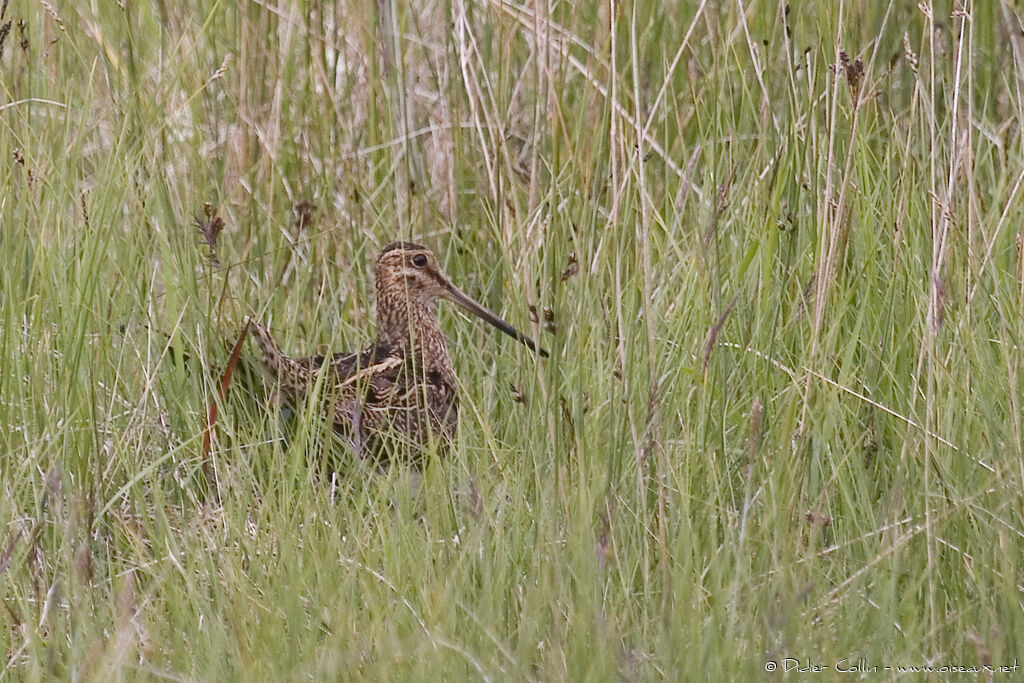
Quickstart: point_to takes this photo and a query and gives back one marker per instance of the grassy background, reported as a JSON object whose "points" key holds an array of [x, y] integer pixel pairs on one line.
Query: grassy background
{"points": [[782, 416]]}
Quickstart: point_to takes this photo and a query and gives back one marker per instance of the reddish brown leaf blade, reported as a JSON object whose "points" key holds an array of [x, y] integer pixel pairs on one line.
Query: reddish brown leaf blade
{"points": [[225, 381]]}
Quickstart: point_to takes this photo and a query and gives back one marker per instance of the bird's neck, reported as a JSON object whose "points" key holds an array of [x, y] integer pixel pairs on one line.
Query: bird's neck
{"points": [[408, 326]]}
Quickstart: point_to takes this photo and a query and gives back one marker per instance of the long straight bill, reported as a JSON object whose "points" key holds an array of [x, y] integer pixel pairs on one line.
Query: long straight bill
{"points": [[462, 299]]}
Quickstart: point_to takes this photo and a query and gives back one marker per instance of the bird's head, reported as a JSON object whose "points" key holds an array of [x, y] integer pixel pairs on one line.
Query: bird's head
{"points": [[409, 273]]}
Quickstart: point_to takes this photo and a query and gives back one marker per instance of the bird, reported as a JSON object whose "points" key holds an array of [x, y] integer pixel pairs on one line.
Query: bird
{"points": [[402, 387]]}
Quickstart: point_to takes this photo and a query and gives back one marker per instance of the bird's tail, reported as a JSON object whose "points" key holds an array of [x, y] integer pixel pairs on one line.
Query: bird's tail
{"points": [[295, 374]]}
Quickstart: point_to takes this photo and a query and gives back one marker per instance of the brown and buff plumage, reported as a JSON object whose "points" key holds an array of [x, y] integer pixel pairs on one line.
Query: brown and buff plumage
{"points": [[403, 384]]}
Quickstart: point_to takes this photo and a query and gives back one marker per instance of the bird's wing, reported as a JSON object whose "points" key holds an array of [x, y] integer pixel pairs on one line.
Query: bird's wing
{"points": [[346, 369], [297, 374]]}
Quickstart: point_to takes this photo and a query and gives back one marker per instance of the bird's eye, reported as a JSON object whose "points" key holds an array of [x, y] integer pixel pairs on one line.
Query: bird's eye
{"points": [[419, 260]]}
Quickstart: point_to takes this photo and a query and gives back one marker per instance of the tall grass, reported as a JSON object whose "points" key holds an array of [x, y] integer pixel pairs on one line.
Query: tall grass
{"points": [[774, 250]]}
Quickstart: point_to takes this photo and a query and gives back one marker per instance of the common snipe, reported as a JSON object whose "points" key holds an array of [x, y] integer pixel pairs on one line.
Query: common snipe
{"points": [[402, 385]]}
